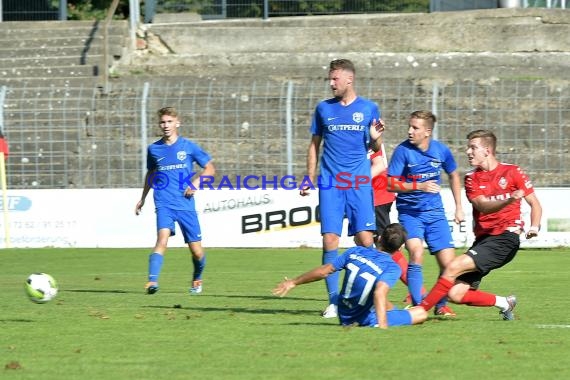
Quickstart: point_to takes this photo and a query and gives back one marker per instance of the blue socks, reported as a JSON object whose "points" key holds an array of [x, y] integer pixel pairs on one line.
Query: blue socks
{"points": [[198, 267], [332, 279], [155, 261], [415, 283]]}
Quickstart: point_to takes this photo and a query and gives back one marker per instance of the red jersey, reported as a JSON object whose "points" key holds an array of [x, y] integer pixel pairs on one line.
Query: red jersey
{"points": [[380, 184], [497, 184]]}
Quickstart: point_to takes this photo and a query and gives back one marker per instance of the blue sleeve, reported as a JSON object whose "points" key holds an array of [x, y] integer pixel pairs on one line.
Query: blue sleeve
{"points": [[199, 155], [449, 163], [397, 164], [150, 162], [391, 274], [376, 113], [317, 122], [340, 262]]}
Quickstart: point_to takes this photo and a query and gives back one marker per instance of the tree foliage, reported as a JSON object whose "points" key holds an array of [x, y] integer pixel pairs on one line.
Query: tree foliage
{"points": [[96, 9]]}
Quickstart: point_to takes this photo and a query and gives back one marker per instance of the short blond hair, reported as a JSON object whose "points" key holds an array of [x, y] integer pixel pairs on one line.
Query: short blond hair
{"points": [[487, 137], [425, 115], [168, 111]]}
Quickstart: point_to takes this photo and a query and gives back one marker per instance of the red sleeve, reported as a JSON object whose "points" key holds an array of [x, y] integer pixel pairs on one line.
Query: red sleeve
{"points": [[376, 154], [4, 147], [522, 181], [471, 184]]}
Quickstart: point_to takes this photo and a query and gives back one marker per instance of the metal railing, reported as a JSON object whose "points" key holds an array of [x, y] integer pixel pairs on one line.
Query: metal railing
{"points": [[79, 138]]}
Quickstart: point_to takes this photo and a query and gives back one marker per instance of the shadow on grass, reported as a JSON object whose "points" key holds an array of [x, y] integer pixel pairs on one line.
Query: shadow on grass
{"points": [[237, 310], [262, 297], [17, 320], [114, 291]]}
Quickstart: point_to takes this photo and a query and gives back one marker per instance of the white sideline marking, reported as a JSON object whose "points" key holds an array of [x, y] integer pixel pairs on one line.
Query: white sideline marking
{"points": [[553, 326]]}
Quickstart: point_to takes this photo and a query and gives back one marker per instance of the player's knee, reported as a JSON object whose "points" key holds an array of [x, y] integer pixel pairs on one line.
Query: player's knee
{"points": [[456, 294], [330, 240], [365, 240]]}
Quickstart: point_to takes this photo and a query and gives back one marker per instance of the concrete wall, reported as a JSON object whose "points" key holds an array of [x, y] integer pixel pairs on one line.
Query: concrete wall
{"points": [[482, 43]]}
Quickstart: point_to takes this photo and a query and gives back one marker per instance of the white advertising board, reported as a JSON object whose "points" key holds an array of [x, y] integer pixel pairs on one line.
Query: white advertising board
{"points": [[229, 218]]}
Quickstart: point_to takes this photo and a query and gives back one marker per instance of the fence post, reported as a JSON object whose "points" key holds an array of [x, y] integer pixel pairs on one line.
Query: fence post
{"points": [[289, 127], [134, 19], [62, 10], [2, 100], [434, 99], [149, 10], [144, 127], [266, 10], [4, 188], [108, 19]]}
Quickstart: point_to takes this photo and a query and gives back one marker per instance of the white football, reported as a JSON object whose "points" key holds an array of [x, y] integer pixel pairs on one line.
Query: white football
{"points": [[40, 287]]}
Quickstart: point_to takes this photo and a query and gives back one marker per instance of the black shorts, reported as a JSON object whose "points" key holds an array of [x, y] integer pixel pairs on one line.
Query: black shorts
{"points": [[382, 213], [490, 252]]}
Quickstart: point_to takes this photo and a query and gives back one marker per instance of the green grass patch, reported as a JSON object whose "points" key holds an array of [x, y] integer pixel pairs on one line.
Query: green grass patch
{"points": [[103, 326]]}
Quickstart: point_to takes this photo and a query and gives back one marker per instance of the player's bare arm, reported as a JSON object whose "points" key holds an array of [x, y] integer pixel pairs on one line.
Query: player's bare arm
{"points": [[378, 165], [316, 274], [487, 205], [397, 185], [312, 159], [535, 215], [455, 184], [381, 303], [146, 189], [377, 127], [208, 171]]}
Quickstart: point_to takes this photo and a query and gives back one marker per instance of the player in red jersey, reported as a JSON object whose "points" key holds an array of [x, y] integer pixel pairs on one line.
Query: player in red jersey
{"points": [[495, 191]]}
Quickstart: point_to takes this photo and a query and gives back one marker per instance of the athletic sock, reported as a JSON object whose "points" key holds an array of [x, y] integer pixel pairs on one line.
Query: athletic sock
{"points": [[415, 282], [501, 302], [442, 302], [478, 298], [155, 261], [199, 265], [332, 279], [399, 259], [439, 290]]}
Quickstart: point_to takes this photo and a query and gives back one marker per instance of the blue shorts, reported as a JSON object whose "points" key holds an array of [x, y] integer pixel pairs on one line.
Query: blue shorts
{"points": [[356, 205], [430, 226], [396, 317], [187, 220]]}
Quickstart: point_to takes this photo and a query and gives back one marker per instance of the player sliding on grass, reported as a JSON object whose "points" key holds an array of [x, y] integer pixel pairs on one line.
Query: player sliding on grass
{"points": [[495, 190], [370, 273], [169, 160]]}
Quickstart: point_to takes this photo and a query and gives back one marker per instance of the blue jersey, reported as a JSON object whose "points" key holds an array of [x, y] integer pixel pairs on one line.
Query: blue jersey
{"points": [[345, 131], [410, 164], [174, 171], [364, 268]]}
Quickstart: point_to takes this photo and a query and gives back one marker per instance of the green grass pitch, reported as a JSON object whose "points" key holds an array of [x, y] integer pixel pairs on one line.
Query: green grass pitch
{"points": [[103, 326]]}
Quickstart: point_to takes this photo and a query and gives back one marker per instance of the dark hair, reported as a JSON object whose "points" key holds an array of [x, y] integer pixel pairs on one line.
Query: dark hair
{"points": [[342, 64], [392, 238]]}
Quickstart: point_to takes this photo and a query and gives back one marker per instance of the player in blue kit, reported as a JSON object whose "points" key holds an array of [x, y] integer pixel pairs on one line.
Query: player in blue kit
{"points": [[370, 273], [414, 172], [170, 174], [347, 125]]}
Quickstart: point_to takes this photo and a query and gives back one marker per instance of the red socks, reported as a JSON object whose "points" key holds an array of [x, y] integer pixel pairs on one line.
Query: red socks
{"points": [[478, 298], [403, 264], [439, 290], [471, 298]]}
